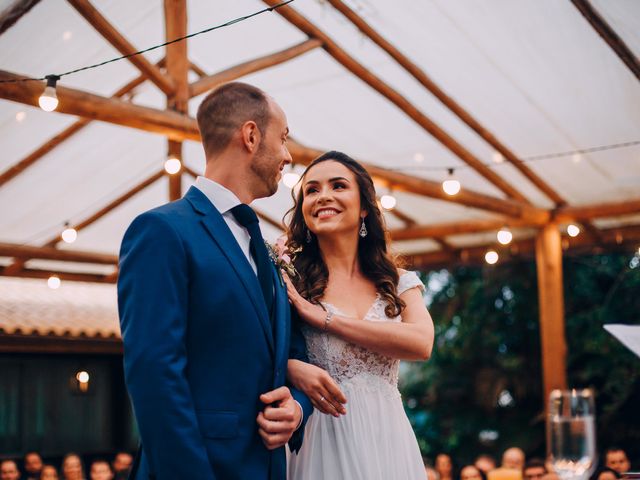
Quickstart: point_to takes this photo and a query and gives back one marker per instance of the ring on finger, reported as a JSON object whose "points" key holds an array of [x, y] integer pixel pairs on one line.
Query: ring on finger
{"points": [[322, 398]]}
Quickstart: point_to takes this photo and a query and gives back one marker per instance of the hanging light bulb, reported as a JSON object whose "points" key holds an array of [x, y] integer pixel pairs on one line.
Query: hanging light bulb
{"points": [[573, 230], [290, 179], [505, 236], [388, 201], [53, 282], [172, 165], [451, 186], [491, 257], [48, 101], [497, 157], [69, 234]]}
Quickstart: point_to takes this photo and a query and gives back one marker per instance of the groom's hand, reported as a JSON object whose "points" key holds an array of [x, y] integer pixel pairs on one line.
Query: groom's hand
{"points": [[279, 419]]}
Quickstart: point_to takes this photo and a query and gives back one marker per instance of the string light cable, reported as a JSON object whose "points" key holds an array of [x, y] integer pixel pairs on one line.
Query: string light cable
{"points": [[57, 76]]}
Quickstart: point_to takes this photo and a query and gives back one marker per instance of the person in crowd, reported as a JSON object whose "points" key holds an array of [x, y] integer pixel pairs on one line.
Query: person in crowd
{"points": [[122, 465], [100, 470], [534, 469], [605, 473], [471, 472], [72, 468], [429, 470], [616, 459], [444, 466], [49, 472], [511, 468], [32, 465], [9, 470], [485, 462]]}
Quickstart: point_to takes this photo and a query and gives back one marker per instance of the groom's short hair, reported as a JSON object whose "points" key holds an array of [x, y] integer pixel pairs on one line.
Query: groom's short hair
{"points": [[226, 109]]}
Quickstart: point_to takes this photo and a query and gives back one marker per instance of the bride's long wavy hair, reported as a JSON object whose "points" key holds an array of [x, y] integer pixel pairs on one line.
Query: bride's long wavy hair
{"points": [[376, 262]]}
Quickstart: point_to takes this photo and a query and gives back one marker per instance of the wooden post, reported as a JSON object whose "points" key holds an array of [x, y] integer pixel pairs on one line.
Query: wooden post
{"points": [[175, 14], [551, 304]]}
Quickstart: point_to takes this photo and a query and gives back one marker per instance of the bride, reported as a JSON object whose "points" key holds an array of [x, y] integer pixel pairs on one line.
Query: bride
{"points": [[360, 317]]}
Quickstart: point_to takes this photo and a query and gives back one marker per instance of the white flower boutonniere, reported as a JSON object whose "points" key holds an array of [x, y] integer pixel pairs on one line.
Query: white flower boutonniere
{"points": [[279, 255]]}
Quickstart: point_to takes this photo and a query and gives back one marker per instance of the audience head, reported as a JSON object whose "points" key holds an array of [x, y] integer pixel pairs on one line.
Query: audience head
{"points": [[485, 462], [9, 470], [444, 465], [100, 470], [534, 469], [605, 473], [122, 462], [513, 458], [471, 472], [32, 463], [72, 468], [49, 472], [616, 459]]}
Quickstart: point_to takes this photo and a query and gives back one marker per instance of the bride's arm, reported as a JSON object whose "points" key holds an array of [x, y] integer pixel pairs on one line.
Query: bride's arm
{"points": [[318, 385], [411, 339]]}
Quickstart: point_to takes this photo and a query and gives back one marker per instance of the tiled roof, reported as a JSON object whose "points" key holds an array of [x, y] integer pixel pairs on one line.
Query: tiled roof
{"points": [[30, 307]]}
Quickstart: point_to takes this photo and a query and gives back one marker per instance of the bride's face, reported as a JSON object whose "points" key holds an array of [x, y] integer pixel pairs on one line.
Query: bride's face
{"points": [[331, 200]]}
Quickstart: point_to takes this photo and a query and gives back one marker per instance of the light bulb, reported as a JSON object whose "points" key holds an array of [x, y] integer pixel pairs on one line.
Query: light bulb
{"points": [[388, 202], [82, 377], [290, 179], [491, 257], [573, 230], [53, 282], [497, 157], [451, 186], [172, 165], [69, 234], [48, 101], [20, 116], [505, 236]]}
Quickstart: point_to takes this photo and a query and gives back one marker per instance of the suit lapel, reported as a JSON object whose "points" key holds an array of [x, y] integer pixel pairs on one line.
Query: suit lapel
{"points": [[219, 231], [280, 318]]}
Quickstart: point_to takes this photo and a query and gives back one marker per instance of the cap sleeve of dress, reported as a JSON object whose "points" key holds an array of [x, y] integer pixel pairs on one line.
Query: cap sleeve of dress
{"points": [[409, 280]]}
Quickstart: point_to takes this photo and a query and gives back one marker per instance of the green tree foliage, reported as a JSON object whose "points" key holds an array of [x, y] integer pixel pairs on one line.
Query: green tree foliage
{"points": [[481, 391]]}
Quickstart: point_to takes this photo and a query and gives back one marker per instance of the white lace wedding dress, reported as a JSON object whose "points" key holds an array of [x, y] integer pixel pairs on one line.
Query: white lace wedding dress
{"points": [[374, 440]]}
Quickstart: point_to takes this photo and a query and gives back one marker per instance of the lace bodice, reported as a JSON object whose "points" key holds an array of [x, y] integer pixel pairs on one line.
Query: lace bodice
{"points": [[345, 361]]}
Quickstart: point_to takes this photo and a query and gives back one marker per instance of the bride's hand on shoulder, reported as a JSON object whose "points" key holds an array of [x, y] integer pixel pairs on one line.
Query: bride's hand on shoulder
{"points": [[317, 384], [312, 314]]}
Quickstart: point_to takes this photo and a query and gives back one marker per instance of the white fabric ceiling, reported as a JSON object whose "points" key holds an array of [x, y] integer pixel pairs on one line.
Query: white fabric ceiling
{"points": [[534, 73]]}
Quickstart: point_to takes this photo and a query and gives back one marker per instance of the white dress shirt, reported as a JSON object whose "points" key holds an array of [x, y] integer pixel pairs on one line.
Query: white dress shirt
{"points": [[224, 200]]}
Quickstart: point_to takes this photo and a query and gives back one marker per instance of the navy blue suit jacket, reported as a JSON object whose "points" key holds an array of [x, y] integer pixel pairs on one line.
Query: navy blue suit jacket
{"points": [[199, 347]]}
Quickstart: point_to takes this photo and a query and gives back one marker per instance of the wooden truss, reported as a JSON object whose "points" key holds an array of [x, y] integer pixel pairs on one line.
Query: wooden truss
{"points": [[174, 123]]}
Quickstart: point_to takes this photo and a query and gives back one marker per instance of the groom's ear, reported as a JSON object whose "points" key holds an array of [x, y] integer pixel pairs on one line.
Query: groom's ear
{"points": [[250, 135]]}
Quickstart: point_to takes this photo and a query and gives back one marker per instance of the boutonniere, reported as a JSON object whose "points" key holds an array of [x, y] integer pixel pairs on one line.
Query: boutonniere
{"points": [[280, 257]]}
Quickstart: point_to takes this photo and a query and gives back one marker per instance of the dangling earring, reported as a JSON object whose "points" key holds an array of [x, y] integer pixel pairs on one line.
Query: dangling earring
{"points": [[363, 229], [308, 235]]}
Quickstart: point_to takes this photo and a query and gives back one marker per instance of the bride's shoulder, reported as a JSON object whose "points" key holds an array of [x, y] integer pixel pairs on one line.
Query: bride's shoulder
{"points": [[407, 280]]}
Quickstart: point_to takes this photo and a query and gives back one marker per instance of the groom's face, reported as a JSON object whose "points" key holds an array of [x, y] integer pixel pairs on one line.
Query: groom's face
{"points": [[272, 154]]}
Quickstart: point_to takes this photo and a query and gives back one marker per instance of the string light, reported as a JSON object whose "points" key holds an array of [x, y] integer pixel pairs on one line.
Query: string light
{"points": [[573, 230], [20, 116], [53, 282], [48, 101], [69, 234], [491, 257], [172, 165], [497, 157], [451, 186], [388, 202], [505, 236], [290, 179]]}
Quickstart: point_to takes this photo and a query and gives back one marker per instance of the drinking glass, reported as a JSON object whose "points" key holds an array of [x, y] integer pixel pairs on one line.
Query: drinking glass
{"points": [[571, 435]]}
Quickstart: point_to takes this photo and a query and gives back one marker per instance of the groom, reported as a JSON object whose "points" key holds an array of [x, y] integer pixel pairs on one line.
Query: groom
{"points": [[204, 316]]}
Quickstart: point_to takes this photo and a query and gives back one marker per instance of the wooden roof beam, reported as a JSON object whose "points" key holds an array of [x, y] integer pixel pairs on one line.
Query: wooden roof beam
{"points": [[115, 38], [14, 12], [449, 102], [67, 133], [601, 210], [209, 82], [50, 253], [396, 98], [609, 35], [96, 107], [67, 276]]}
